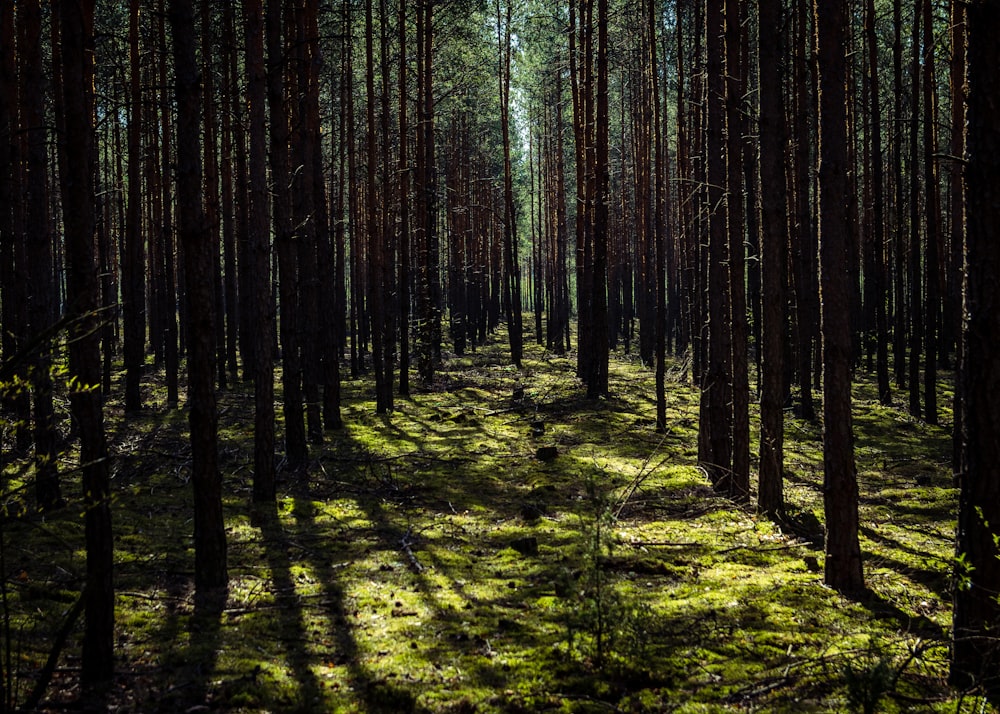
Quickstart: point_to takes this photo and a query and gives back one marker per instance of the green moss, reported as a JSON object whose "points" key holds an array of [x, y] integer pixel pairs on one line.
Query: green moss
{"points": [[429, 562]]}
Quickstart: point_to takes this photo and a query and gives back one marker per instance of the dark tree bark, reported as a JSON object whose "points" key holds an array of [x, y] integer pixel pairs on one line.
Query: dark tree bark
{"points": [[171, 356], [975, 655], [77, 33], [660, 225], [134, 263], [425, 232], [597, 381], [233, 177], [37, 240], [260, 258], [774, 242], [876, 281], [376, 237], [915, 311], [9, 297], [196, 243], [739, 488], [715, 452], [305, 143], [296, 448], [403, 282], [898, 205], [803, 239], [843, 570], [512, 283], [932, 291], [954, 312]]}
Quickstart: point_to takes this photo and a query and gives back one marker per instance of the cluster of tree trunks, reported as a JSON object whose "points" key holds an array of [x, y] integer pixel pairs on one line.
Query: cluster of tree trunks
{"points": [[247, 199]]}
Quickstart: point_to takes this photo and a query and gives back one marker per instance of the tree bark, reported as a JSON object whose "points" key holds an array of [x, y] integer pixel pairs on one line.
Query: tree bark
{"points": [[975, 656], [843, 569], [77, 28], [774, 253], [260, 258], [715, 453], [209, 524]]}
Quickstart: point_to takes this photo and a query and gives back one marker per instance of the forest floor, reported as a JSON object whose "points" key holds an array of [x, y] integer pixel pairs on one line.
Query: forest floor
{"points": [[430, 561]]}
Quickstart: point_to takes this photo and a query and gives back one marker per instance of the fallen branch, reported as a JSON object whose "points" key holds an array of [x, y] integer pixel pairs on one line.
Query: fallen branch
{"points": [[45, 675], [406, 544]]}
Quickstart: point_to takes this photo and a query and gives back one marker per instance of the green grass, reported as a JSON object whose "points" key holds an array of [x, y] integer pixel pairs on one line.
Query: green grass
{"points": [[427, 561]]}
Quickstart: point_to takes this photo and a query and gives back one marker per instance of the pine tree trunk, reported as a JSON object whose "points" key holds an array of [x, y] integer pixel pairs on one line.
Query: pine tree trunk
{"points": [[77, 28], [975, 658], [843, 570], [774, 252], [259, 253], [197, 246]]}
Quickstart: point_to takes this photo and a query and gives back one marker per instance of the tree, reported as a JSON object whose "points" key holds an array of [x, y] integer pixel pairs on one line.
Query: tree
{"points": [[76, 23], [715, 440], [260, 258], [774, 241], [37, 241], [133, 264], [975, 651], [296, 449], [209, 525], [932, 300], [876, 281], [843, 569], [739, 486], [511, 269]]}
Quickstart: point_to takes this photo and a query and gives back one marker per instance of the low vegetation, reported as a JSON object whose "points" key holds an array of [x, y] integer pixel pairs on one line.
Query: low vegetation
{"points": [[500, 544]]}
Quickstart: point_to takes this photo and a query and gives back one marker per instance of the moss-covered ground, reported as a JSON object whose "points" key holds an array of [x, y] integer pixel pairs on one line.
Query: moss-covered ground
{"points": [[429, 561]]}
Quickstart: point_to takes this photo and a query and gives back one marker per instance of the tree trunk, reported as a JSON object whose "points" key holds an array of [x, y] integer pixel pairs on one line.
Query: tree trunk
{"points": [[932, 299], [877, 280], [715, 453], [512, 293], [774, 253], [134, 268], [843, 553], [197, 245], [77, 32], [955, 313], [260, 258], [37, 241], [296, 449], [404, 214], [739, 487], [975, 657]]}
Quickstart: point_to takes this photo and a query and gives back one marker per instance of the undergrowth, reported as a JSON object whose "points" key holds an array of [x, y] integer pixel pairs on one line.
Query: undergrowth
{"points": [[429, 561]]}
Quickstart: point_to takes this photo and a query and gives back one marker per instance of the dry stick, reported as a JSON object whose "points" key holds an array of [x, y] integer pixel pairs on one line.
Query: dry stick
{"points": [[45, 675]]}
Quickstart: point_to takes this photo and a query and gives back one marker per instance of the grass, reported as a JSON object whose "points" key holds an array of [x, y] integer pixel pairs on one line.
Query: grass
{"points": [[428, 561]]}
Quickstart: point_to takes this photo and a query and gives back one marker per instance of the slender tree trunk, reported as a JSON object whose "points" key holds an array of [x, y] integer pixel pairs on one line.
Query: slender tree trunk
{"points": [[774, 253], [932, 277], [37, 241], [77, 33], [740, 485], [512, 293], [171, 356], [196, 242], [955, 315], [260, 258], [297, 451], [913, 264], [715, 452], [660, 226], [975, 657], [404, 214], [878, 211], [843, 570], [134, 268]]}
